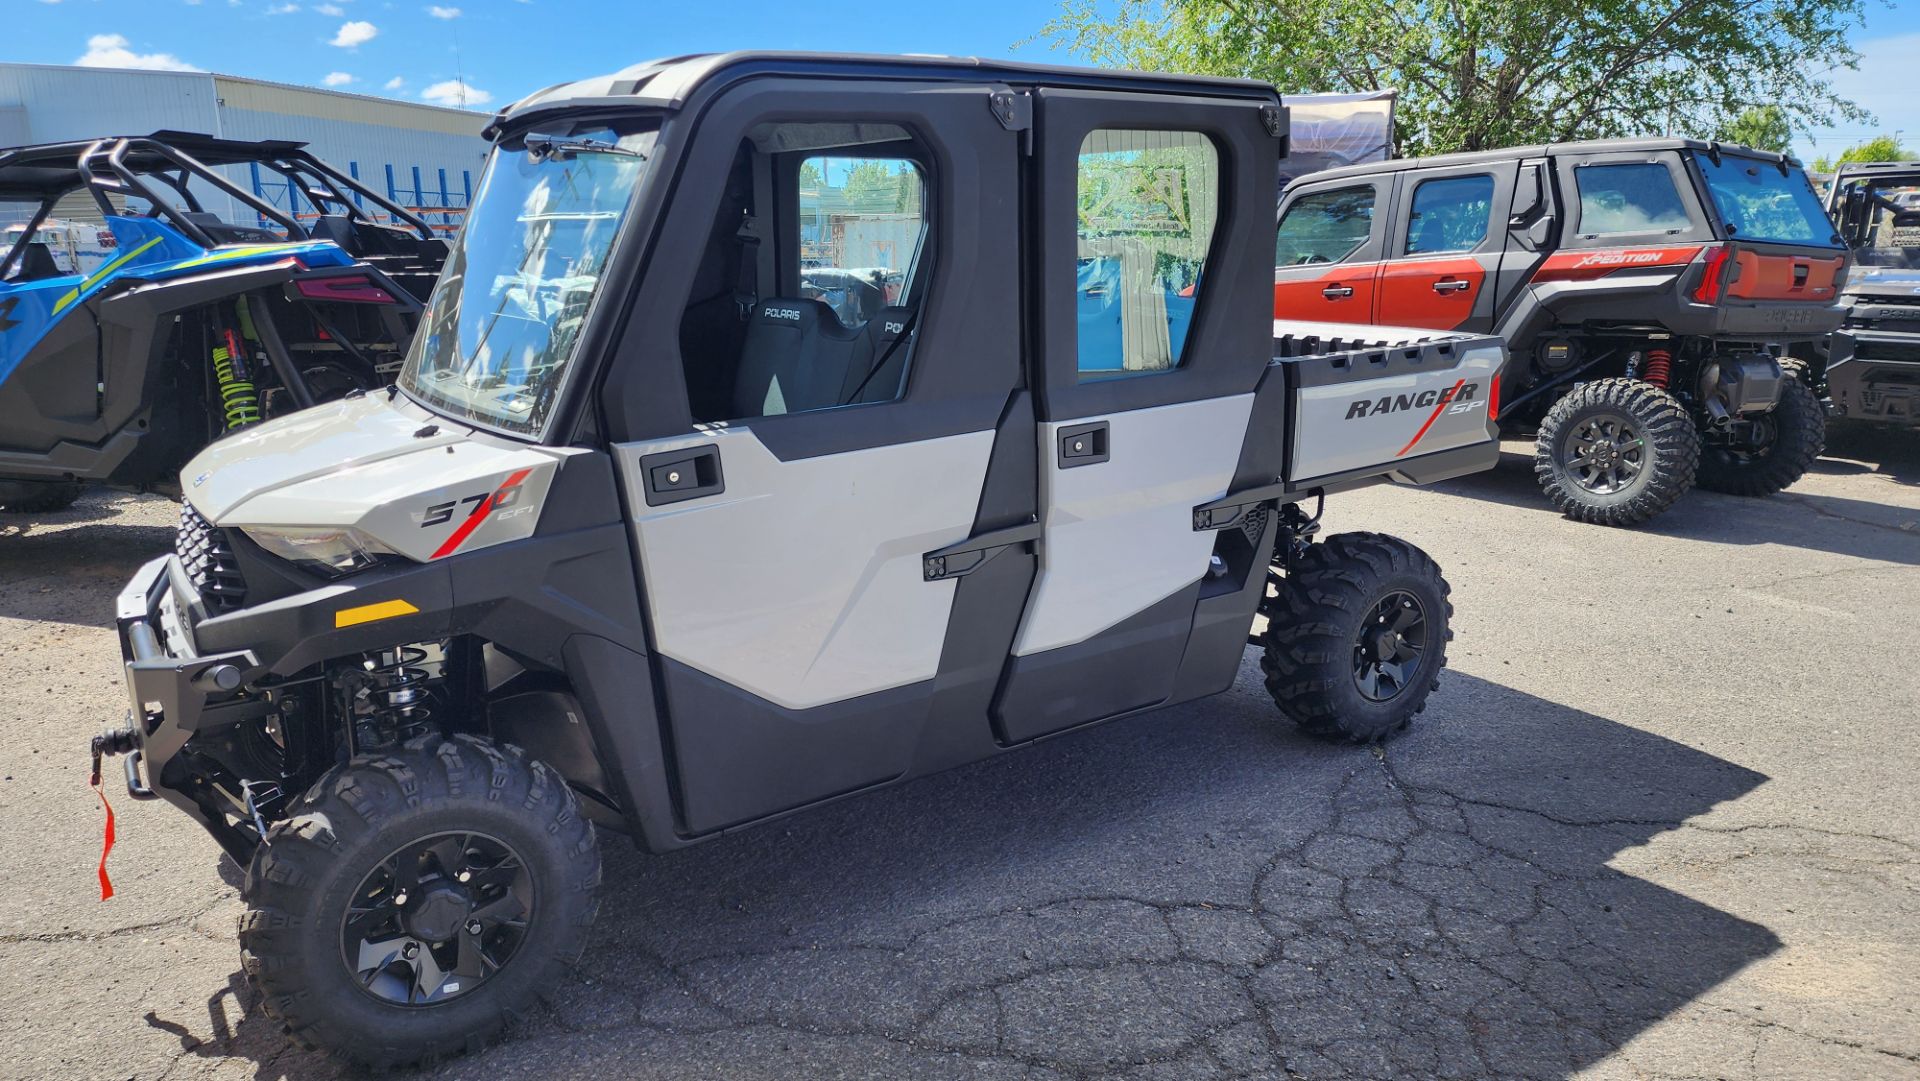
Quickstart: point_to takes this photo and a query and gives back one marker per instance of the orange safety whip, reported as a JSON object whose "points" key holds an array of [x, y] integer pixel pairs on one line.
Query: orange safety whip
{"points": [[116, 742]]}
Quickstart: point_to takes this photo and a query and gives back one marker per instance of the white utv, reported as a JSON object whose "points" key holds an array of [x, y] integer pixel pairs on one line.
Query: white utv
{"points": [[669, 529]]}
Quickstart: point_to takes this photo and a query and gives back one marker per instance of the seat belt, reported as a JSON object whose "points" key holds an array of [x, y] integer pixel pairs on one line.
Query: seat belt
{"points": [[746, 284]]}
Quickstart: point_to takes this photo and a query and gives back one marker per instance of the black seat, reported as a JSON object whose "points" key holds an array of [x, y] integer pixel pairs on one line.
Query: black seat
{"points": [[222, 233], [882, 378], [36, 264], [798, 357]]}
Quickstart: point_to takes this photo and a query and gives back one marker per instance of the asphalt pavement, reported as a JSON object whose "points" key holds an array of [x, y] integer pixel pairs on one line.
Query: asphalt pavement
{"points": [[1658, 822]]}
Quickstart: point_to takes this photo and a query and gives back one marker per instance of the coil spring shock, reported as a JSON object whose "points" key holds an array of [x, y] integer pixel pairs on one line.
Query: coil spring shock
{"points": [[399, 702], [238, 398], [1659, 369]]}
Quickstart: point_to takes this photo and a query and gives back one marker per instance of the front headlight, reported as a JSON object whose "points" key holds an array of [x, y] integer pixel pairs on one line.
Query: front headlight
{"points": [[329, 551]]}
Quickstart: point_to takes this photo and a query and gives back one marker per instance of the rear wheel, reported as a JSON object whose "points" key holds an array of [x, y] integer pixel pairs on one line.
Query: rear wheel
{"points": [[1356, 636], [1766, 453], [411, 904], [1616, 452], [38, 497]]}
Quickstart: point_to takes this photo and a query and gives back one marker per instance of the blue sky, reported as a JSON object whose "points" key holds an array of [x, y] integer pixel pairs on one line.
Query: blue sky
{"points": [[488, 52]]}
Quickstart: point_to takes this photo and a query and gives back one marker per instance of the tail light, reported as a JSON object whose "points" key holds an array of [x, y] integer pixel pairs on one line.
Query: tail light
{"points": [[347, 289], [1713, 281]]}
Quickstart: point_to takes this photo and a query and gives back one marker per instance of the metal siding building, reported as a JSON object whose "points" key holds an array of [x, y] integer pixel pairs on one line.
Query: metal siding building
{"points": [[419, 155]]}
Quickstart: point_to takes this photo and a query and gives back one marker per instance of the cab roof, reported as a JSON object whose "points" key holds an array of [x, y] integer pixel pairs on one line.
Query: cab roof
{"points": [[667, 83], [1547, 150]]}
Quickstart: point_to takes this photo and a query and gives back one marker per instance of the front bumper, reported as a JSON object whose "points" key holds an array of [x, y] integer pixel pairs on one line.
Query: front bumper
{"points": [[174, 691], [1874, 375]]}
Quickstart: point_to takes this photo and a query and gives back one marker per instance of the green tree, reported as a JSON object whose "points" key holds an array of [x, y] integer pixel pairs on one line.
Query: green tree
{"points": [[1479, 74], [1762, 127], [1878, 148]]}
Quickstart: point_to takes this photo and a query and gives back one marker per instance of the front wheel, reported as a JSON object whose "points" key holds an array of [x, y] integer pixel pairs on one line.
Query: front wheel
{"points": [[412, 903], [1356, 637], [1765, 453], [1616, 452]]}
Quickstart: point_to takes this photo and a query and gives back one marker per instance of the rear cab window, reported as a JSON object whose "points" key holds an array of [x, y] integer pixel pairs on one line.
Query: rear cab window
{"points": [[1325, 226], [1147, 205], [1449, 214], [1756, 201]]}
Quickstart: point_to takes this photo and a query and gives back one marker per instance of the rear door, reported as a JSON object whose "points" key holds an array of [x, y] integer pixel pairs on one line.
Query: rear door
{"points": [[1327, 250], [1443, 254], [1145, 396]]}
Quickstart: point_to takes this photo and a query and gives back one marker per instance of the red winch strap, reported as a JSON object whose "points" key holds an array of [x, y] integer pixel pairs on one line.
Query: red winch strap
{"points": [[106, 844]]}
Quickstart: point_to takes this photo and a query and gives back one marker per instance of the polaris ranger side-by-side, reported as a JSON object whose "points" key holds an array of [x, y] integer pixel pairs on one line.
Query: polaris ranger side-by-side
{"points": [[1871, 367], [674, 525], [1643, 287], [127, 345]]}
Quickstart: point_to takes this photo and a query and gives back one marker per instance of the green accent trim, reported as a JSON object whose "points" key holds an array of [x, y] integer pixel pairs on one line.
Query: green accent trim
{"points": [[99, 275]]}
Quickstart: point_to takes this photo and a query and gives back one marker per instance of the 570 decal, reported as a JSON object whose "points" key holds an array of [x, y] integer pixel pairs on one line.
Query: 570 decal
{"points": [[483, 505]]}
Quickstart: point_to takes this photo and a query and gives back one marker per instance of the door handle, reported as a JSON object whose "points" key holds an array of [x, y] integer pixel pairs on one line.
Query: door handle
{"points": [[1451, 285], [675, 475], [1082, 444], [1337, 292]]}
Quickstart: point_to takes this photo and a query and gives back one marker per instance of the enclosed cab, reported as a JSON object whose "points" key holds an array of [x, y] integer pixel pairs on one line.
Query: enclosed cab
{"points": [[1872, 363], [784, 427], [1644, 287]]}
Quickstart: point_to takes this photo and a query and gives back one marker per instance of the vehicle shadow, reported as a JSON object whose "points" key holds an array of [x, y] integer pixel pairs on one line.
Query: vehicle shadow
{"points": [[1864, 448], [1795, 517], [1199, 888], [67, 566]]}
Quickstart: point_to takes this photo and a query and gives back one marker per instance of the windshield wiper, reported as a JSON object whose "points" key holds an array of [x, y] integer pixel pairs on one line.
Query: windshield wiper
{"points": [[560, 149]]}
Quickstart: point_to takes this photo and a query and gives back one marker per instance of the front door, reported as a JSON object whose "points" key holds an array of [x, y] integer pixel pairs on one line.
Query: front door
{"points": [[1445, 249], [1146, 390], [1327, 251], [847, 278]]}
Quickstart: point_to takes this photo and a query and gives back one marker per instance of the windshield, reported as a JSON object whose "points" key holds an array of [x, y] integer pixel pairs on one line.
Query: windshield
{"points": [[1887, 229], [1757, 201], [495, 343]]}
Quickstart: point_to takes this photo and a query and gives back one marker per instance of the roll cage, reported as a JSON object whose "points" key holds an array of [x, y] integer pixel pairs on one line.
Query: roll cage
{"points": [[160, 168]]}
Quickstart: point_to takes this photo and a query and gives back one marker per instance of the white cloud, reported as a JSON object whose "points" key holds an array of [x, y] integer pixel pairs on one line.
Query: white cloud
{"points": [[455, 92], [283, 9], [354, 34], [336, 78], [439, 12], [331, 10], [1881, 85], [111, 51], [396, 83]]}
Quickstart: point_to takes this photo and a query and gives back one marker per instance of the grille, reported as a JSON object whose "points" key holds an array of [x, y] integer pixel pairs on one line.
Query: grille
{"points": [[207, 556]]}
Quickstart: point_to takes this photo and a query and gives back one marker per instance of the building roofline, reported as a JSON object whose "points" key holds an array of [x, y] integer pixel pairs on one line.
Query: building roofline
{"points": [[480, 113]]}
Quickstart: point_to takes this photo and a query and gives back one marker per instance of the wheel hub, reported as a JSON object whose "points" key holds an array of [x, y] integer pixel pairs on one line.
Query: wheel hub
{"points": [[437, 918], [1390, 647], [438, 914], [1605, 454]]}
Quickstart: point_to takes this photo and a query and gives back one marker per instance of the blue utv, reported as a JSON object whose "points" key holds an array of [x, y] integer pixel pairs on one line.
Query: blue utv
{"points": [[150, 305]]}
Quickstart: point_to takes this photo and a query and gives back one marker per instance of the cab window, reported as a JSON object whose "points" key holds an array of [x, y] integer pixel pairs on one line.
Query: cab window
{"points": [[808, 293], [1325, 227], [1628, 197], [861, 223], [1449, 214], [1145, 213]]}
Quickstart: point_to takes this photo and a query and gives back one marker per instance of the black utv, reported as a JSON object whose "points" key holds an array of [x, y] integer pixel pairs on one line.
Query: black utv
{"points": [[137, 324], [783, 427], [1645, 289], [1872, 363]]}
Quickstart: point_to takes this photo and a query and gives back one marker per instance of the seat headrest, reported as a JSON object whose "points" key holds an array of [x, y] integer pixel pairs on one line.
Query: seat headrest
{"points": [[889, 323]]}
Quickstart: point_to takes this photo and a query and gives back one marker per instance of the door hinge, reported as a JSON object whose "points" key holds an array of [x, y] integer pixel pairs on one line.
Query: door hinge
{"points": [[1274, 119], [1013, 110]]}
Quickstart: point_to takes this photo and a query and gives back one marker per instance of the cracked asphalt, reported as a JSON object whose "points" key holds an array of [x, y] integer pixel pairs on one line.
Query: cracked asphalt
{"points": [[1658, 822]]}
